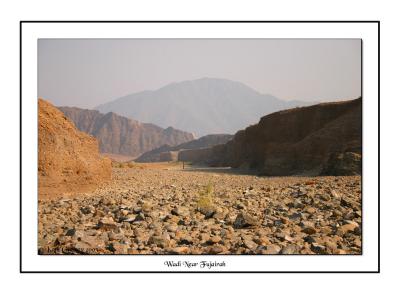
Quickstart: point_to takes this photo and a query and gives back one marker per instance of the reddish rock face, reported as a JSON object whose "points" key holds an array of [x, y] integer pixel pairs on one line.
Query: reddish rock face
{"points": [[68, 159], [120, 135]]}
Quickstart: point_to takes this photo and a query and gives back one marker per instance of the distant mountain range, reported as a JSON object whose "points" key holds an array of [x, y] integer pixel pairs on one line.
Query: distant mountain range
{"points": [[120, 135], [203, 142], [203, 106]]}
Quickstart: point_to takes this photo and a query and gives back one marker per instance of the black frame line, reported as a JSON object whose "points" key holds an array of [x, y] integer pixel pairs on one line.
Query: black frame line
{"points": [[196, 21]]}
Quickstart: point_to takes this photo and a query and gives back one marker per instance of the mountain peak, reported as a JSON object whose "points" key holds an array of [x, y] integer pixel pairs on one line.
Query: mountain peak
{"points": [[202, 106]]}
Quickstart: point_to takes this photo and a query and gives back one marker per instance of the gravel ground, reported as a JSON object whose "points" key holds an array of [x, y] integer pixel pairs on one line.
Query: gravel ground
{"points": [[166, 210]]}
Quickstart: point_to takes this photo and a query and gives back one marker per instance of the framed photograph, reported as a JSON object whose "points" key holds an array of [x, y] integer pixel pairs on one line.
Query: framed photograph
{"points": [[199, 146]]}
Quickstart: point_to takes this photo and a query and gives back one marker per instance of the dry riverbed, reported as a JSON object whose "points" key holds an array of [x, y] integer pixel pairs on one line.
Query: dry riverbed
{"points": [[161, 209]]}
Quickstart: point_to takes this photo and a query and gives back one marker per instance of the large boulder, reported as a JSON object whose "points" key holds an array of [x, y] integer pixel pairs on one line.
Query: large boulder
{"points": [[69, 160]]}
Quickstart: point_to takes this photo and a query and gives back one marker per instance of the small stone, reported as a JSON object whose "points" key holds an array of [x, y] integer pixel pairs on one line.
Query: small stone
{"points": [[92, 241], [215, 239], [264, 241], [325, 197], [317, 248], [244, 220], [204, 237], [86, 210], [129, 219], [179, 250], [342, 230], [160, 241], [180, 211], [82, 247], [290, 249], [62, 240], [335, 194], [139, 218], [137, 209], [309, 239], [172, 228], [295, 216], [146, 207], [311, 210], [220, 214], [119, 248], [185, 240], [326, 231], [298, 204], [250, 244], [133, 251], [70, 232], [309, 230], [107, 222], [280, 236], [272, 249], [216, 249], [346, 202], [114, 236], [207, 211], [331, 245], [300, 192]]}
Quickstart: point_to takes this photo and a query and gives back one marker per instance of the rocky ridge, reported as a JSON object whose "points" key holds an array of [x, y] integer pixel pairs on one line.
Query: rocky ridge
{"points": [[120, 135]]}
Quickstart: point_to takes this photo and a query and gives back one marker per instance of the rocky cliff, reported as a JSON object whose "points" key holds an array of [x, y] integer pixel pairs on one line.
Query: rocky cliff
{"points": [[69, 160], [159, 154], [120, 135], [319, 139]]}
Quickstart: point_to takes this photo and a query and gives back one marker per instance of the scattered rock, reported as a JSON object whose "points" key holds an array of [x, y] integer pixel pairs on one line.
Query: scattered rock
{"points": [[107, 223], [317, 248], [160, 241], [179, 250], [272, 249], [342, 230], [244, 220], [250, 244], [216, 249], [309, 230], [118, 248], [139, 218], [116, 219], [290, 249]]}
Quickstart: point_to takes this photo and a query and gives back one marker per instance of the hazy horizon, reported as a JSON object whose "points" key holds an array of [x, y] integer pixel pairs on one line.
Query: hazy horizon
{"points": [[89, 72]]}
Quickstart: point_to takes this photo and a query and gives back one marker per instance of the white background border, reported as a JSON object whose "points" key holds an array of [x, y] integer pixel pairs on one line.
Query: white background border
{"points": [[367, 31]]}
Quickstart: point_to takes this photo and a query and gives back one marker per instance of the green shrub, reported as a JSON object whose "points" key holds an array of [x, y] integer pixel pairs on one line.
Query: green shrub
{"points": [[206, 196]]}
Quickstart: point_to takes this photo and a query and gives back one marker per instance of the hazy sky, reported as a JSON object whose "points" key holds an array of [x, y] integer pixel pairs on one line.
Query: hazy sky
{"points": [[88, 72]]}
